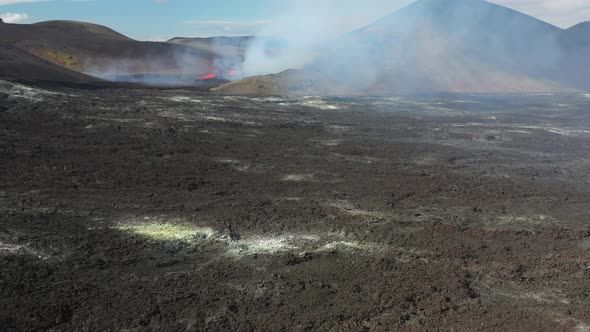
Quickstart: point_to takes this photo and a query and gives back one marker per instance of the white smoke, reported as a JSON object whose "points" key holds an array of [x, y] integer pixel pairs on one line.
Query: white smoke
{"points": [[430, 45], [305, 26], [14, 17]]}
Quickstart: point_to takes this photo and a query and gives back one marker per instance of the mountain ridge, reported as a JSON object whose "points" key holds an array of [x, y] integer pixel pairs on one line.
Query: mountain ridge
{"points": [[18, 65], [98, 50], [449, 46]]}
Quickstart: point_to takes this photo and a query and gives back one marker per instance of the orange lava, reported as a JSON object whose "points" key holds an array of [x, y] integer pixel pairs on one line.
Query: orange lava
{"points": [[208, 77]]}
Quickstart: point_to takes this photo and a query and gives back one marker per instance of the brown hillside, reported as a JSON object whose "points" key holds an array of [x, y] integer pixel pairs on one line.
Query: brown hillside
{"points": [[97, 49], [16, 64]]}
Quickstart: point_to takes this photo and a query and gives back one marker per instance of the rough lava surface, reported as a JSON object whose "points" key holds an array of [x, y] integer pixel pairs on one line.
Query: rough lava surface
{"points": [[148, 209]]}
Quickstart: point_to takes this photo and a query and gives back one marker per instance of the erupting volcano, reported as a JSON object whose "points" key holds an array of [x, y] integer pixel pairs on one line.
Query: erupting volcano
{"points": [[226, 75], [221, 70], [207, 77], [431, 46], [426, 171]]}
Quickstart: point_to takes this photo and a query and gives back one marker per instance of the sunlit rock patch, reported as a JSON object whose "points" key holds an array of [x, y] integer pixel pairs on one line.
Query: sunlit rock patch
{"points": [[351, 246], [260, 100], [298, 178], [495, 133], [300, 243], [169, 231], [215, 119], [18, 249], [9, 248], [333, 142], [349, 208], [516, 131], [291, 199], [515, 221], [183, 99], [245, 246], [263, 245], [426, 160], [579, 326], [546, 296], [328, 142], [19, 91], [338, 129], [270, 244], [568, 132], [556, 130], [238, 165], [228, 161], [521, 222], [320, 104], [232, 120], [309, 101]]}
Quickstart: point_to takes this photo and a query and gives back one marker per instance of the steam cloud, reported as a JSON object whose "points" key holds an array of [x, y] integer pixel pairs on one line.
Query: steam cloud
{"points": [[430, 45], [163, 64], [304, 28], [14, 17]]}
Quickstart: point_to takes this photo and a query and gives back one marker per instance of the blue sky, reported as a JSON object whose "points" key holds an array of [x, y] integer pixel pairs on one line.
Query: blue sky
{"points": [[163, 19], [150, 19]]}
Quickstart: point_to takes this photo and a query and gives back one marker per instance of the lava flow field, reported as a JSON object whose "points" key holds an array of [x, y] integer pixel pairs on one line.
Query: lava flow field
{"points": [[166, 209]]}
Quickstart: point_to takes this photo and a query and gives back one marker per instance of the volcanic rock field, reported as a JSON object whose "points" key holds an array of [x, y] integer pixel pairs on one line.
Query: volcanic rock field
{"points": [[138, 209]]}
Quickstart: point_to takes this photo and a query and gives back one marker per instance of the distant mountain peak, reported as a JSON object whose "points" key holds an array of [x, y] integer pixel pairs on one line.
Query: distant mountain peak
{"points": [[465, 16], [581, 26], [437, 4], [448, 2]]}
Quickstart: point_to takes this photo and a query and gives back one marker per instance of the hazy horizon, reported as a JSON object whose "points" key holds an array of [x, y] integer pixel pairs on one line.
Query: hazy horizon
{"points": [[183, 18]]}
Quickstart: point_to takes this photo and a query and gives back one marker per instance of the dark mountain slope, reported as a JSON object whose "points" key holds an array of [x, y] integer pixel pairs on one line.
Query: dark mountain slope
{"points": [[16, 64], [575, 43], [450, 45], [97, 49]]}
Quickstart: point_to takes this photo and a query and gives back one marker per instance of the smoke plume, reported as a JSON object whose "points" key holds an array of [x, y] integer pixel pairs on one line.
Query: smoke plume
{"points": [[427, 45], [305, 26]]}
